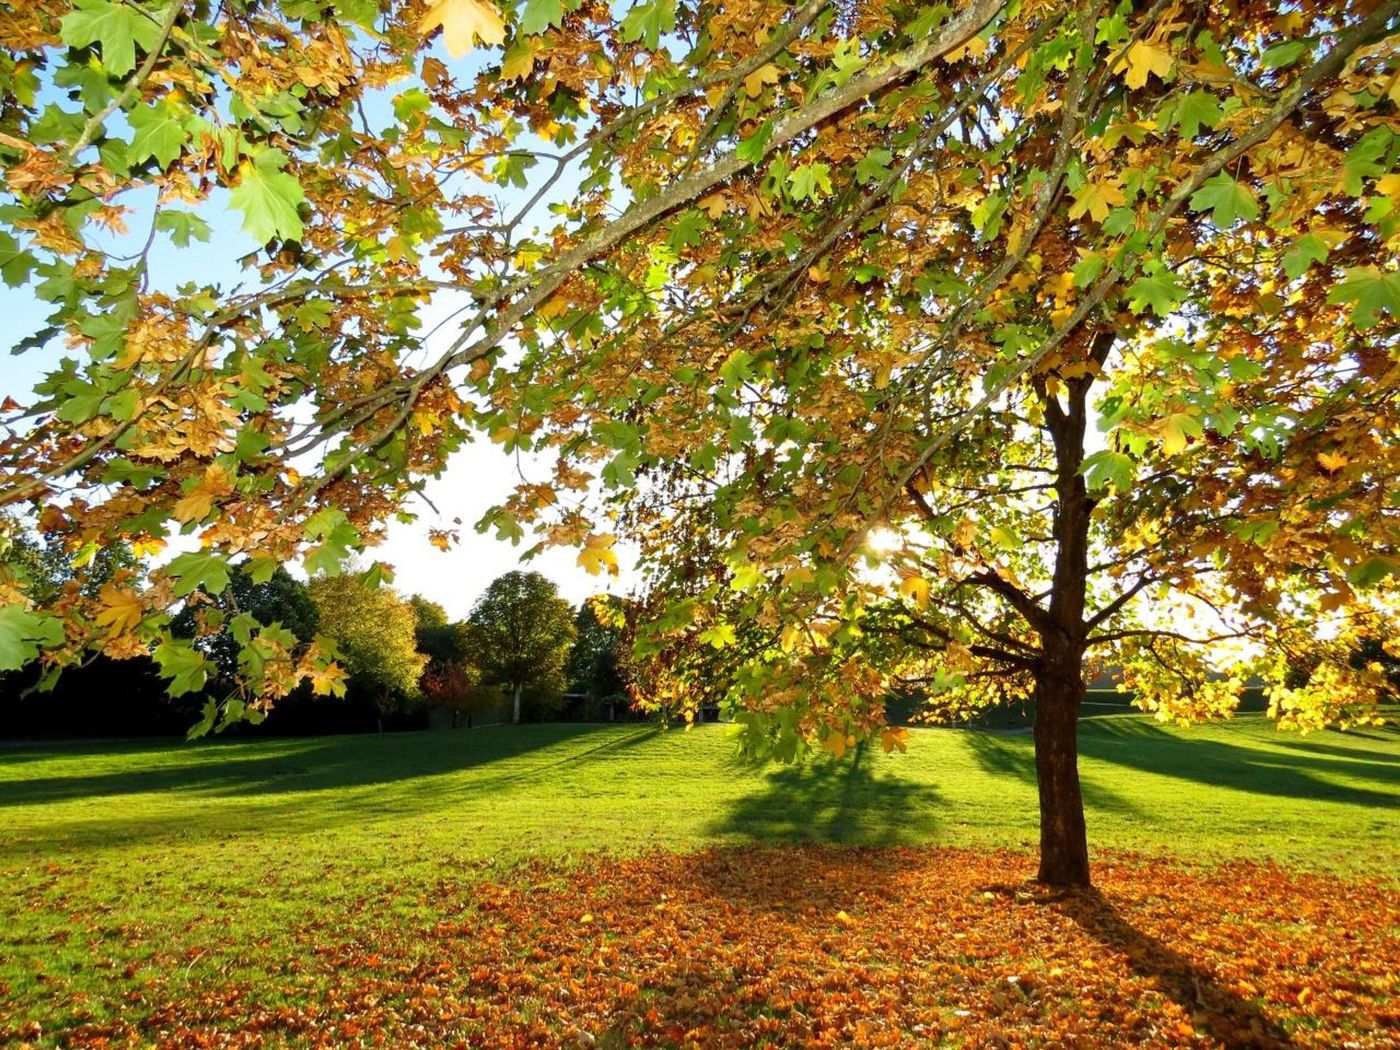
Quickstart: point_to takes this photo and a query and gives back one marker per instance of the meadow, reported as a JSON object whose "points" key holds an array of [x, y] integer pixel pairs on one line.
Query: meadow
{"points": [[201, 894]]}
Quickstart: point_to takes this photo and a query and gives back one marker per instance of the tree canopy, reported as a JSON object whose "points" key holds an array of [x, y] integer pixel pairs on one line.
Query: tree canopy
{"points": [[973, 346], [521, 634], [373, 631]]}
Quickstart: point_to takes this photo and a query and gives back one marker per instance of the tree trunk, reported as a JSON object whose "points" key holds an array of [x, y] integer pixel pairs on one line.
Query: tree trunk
{"points": [[515, 707], [1064, 847], [1059, 672]]}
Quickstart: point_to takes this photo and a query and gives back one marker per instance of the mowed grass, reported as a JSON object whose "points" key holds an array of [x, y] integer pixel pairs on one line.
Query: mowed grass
{"points": [[212, 861]]}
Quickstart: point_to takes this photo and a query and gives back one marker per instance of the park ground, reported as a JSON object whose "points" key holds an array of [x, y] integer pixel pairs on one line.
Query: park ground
{"points": [[610, 886]]}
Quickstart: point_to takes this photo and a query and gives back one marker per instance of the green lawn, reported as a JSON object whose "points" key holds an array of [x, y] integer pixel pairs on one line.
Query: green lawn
{"points": [[208, 857]]}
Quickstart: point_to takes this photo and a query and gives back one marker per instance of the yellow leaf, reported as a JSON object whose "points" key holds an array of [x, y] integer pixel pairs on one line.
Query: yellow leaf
{"points": [[328, 680], [147, 547], [1098, 199], [196, 504], [835, 742], [844, 919], [765, 74], [916, 589], [1144, 58], [463, 20], [714, 205], [894, 739], [121, 610], [597, 555], [1332, 461], [789, 638], [1389, 185]]}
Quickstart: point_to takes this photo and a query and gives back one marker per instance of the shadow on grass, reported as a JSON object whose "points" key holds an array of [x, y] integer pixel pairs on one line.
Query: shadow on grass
{"points": [[1145, 746], [829, 800], [314, 786], [323, 763], [1232, 1019], [1015, 756]]}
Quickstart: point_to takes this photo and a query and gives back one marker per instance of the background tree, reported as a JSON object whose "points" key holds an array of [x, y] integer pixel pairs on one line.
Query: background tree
{"points": [[601, 665], [451, 680], [521, 634], [373, 630]]}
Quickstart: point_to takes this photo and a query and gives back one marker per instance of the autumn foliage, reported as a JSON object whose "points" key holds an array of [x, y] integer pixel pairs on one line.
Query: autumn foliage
{"points": [[812, 947]]}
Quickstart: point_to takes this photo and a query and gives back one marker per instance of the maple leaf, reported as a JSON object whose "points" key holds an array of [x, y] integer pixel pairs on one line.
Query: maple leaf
{"points": [[916, 589], [268, 197], [764, 74], [464, 22], [597, 555], [121, 610], [1143, 59], [1096, 198], [1370, 292], [1332, 461], [894, 739], [198, 502], [837, 741], [1226, 200]]}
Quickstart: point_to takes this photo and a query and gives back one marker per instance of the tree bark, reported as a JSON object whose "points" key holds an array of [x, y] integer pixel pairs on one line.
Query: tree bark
{"points": [[515, 707], [1064, 848], [1059, 671]]}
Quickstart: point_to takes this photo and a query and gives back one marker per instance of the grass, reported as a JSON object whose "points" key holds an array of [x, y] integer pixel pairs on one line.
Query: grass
{"points": [[120, 857]]}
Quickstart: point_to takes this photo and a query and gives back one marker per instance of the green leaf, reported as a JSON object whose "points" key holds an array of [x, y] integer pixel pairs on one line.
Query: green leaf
{"points": [[1086, 271], [183, 664], [874, 165], [22, 632], [1196, 110], [157, 131], [198, 569], [1364, 160], [810, 181], [689, 229], [1371, 571], [16, 264], [268, 198], [1305, 251], [206, 721], [539, 15], [183, 227], [1107, 467], [1226, 199], [1160, 291], [1370, 292], [647, 22], [118, 28], [1284, 54]]}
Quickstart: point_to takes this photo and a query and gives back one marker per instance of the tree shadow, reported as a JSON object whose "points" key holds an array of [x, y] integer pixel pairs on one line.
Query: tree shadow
{"points": [[1002, 755], [1145, 746], [841, 801], [244, 769], [1232, 1019]]}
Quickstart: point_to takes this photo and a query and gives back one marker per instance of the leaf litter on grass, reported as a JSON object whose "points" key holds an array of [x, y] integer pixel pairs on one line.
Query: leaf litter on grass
{"points": [[802, 947]]}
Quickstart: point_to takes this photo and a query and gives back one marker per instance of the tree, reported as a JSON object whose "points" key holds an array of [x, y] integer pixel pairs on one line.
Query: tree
{"points": [[521, 634], [601, 664], [451, 679], [1085, 309], [373, 631]]}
